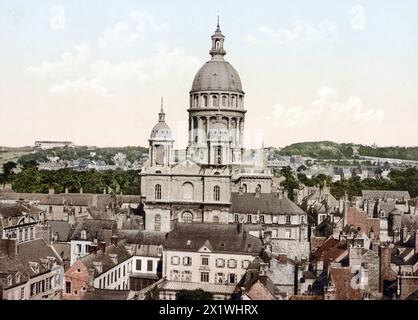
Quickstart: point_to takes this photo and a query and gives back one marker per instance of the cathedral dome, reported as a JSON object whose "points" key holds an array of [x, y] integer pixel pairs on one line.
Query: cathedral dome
{"points": [[217, 75], [161, 131]]}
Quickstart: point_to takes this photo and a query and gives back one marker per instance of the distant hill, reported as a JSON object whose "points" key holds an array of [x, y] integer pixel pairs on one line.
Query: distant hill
{"points": [[332, 150], [83, 152]]}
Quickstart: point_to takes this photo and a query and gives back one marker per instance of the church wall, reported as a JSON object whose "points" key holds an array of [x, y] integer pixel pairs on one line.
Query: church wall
{"points": [[151, 212]]}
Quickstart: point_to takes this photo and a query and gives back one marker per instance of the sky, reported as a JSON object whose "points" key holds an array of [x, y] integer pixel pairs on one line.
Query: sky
{"points": [[93, 72]]}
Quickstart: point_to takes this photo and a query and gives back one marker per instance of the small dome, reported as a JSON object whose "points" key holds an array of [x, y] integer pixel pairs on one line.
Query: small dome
{"points": [[161, 131], [217, 75]]}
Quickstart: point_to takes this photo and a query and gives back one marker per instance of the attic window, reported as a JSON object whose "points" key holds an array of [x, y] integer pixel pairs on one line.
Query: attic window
{"points": [[34, 266], [9, 280], [83, 234], [17, 277], [158, 172]]}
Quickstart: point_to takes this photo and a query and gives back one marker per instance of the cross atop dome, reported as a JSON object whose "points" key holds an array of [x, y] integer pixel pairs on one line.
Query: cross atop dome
{"points": [[217, 51]]}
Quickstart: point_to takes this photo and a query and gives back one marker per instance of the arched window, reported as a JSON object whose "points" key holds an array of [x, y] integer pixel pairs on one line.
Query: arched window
{"points": [[217, 45], [215, 101], [157, 192], [240, 101], [196, 101], [258, 188], [224, 99], [187, 217], [157, 222], [216, 193], [244, 188], [188, 191], [233, 102], [205, 100]]}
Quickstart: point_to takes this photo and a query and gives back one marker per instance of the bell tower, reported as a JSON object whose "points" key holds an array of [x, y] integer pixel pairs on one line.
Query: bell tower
{"points": [[161, 142]]}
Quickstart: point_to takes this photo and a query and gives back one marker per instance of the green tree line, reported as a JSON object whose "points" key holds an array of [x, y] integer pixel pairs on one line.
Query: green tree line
{"points": [[30, 179], [404, 180]]}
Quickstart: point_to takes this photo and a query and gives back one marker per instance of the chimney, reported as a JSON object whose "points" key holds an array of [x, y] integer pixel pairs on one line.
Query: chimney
{"points": [[285, 193], [93, 248], [346, 205], [81, 190], [416, 241], [240, 228], [114, 240], [66, 190], [102, 246], [404, 234], [384, 264], [91, 278], [51, 191]]}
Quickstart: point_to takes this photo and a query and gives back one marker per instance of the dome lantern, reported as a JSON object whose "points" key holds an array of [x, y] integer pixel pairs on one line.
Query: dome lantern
{"points": [[217, 51]]}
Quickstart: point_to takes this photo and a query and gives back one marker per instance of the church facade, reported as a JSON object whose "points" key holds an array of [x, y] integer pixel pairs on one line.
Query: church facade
{"points": [[198, 189]]}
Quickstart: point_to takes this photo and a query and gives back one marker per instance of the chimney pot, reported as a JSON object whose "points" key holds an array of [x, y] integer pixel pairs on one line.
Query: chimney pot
{"points": [[102, 246]]}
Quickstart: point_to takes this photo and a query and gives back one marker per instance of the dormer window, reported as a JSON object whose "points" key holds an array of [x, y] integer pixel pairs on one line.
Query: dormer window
{"points": [[34, 266], [83, 234], [9, 280], [17, 277]]}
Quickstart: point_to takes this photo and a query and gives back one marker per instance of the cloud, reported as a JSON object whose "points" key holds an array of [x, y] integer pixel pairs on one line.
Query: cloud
{"points": [[91, 69], [328, 107], [300, 31], [69, 62], [130, 31], [80, 86]]}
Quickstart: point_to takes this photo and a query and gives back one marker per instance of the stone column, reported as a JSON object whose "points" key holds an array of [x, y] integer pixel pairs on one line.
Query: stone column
{"points": [[207, 126], [190, 130], [199, 130], [241, 132]]}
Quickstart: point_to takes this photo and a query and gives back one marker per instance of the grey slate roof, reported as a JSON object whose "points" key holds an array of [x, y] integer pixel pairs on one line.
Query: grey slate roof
{"points": [[61, 228], [76, 199], [381, 194], [93, 227], [222, 238], [105, 259], [34, 251], [265, 202], [143, 237]]}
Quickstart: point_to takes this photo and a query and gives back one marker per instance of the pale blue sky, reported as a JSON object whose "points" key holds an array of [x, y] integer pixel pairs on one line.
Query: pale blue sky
{"points": [[93, 71]]}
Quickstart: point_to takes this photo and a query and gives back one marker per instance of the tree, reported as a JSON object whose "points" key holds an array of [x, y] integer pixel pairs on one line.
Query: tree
{"points": [[290, 183], [8, 168], [198, 294]]}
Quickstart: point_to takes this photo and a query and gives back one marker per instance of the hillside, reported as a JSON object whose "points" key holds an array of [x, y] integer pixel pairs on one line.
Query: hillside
{"points": [[332, 150], [319, 150], [81, 152]]}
